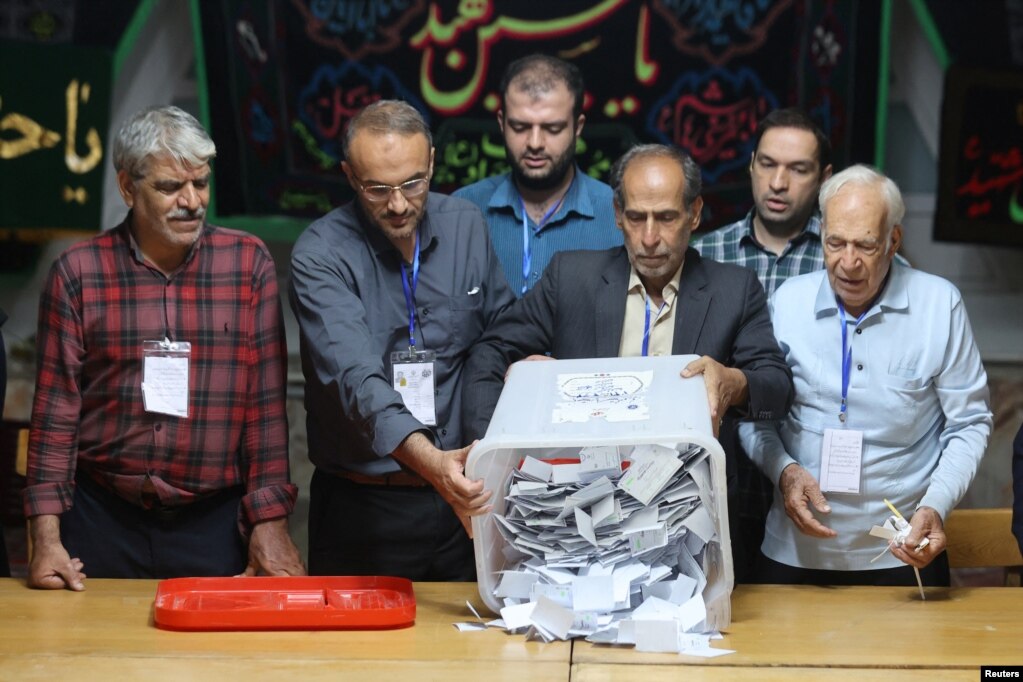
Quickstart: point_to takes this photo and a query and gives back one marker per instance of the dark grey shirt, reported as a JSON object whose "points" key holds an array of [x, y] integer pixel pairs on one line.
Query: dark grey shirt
{"points": [[347, 294]]}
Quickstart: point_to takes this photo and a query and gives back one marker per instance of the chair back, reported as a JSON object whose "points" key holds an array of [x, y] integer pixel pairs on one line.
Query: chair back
{"points": [[982, 538]]}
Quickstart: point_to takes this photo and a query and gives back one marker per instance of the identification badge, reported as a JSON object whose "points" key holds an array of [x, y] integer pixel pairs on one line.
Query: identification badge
{"points": [[841, 459], [412, 372], [165, 377]]}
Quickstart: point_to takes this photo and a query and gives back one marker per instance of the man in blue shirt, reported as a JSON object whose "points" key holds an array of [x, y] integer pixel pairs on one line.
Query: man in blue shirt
{"points": [[891, 403], [546, 203]]}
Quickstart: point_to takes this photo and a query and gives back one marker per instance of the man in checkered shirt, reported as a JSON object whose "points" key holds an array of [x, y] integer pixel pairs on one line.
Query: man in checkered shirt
{"points": [[159, 439], [779, 238]]}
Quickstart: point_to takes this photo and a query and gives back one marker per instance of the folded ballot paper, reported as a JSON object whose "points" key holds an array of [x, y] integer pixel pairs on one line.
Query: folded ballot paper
{"points": [[610, 547]]}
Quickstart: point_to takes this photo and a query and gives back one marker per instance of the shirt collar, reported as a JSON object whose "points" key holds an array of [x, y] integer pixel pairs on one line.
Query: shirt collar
{"points": [[812, 230], [636, 284], [506, 196], [894, 295], [136, 252]]}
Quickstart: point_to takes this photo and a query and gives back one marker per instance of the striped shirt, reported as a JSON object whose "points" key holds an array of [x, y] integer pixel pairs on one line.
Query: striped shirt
{"points": [[584, 220], [99, 304], [737, 244]]}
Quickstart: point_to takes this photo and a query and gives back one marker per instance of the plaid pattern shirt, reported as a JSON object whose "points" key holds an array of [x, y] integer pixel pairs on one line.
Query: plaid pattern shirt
{"points": [[736, 244], [99, 304]]}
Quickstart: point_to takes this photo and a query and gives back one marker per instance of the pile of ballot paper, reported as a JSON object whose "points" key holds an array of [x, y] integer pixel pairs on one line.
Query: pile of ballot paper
{"points": [[610, 548]]}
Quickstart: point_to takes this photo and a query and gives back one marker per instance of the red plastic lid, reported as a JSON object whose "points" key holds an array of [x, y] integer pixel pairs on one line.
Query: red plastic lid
{"points": [[286, 603]]}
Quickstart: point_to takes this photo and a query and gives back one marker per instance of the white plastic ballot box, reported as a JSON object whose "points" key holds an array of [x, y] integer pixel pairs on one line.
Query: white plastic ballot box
{"points": [[551, 409]]}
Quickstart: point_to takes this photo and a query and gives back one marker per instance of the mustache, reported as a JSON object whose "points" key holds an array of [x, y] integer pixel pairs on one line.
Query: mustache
{"points": [[187, 214]]}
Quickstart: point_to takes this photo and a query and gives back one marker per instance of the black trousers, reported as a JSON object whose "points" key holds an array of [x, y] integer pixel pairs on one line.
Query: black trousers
{"points": [[934, 574], [407, 532], [116, 539]]}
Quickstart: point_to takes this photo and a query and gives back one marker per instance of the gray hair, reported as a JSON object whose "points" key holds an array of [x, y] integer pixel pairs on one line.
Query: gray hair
{"points": [[690, 170], [865, 176], [161, 131], [388, 116]]}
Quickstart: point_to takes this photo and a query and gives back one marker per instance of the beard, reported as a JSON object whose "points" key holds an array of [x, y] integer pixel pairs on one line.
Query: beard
{"points": [[380, 216], [552, 178], [790, 226]]}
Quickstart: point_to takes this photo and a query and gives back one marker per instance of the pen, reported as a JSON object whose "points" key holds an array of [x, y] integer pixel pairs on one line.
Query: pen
{"points": [[919, 582]]}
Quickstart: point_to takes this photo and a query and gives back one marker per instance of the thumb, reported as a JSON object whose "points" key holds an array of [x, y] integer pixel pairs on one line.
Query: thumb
{"points": [[917, 533], [467, 524], [817, 499], [249, 571], [57, 582], [70, 577], [462, 455], [694, 367]]}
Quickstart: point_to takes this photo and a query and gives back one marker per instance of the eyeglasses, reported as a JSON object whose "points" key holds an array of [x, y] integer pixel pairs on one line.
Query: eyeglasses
{"points": [[409, 189]]}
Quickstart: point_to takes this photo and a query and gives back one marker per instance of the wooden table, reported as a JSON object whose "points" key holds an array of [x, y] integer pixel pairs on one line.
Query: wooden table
{"points": [[840, 633], [843, 634], [107, 633]]}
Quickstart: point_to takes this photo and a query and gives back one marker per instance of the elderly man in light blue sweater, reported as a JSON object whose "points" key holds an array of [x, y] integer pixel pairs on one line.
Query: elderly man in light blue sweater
{"points": [[891, 403]]}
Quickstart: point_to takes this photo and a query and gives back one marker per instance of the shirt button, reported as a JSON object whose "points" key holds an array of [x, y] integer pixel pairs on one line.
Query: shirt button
{"points": [[426, 311], [859, 367], [859, 331], [159, 427], [443, 432]]}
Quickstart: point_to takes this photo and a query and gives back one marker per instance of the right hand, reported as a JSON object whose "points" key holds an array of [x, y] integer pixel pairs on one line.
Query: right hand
{"points": [[799, 490], [51, 567]]}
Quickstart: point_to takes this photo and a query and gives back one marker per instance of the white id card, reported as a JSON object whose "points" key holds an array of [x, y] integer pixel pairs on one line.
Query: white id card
{"points": [[165, 377], [412, 376], [841, 459]]}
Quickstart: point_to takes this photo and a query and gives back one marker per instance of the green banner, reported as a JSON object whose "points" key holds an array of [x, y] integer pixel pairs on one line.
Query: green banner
{"points": [[54, 116]]}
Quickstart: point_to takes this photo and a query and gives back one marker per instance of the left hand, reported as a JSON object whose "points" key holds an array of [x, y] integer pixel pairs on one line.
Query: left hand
{"points": [[726, 386], [926, 523], [271, 551]]}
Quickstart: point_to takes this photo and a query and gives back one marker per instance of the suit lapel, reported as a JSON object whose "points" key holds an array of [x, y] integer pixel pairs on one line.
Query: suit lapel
{"points": [[610, 306], [694, 301]]}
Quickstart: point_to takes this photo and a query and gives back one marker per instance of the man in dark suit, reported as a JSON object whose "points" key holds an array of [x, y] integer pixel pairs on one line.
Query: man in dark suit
{"points": [[654, 296]]}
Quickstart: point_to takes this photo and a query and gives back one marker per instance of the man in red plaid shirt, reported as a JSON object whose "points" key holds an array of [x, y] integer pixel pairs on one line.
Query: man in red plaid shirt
{"points": [[159, 442]]}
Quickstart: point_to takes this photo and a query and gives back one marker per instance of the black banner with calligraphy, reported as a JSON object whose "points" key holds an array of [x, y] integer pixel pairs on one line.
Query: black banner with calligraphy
{"points": [[54, 114], [981, 158], [286, 76]]}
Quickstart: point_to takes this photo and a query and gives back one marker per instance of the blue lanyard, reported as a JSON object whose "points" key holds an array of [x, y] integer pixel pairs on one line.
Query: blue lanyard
{"points": [[527, 256], [846, 360], [410, 295], [646, 325]]}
